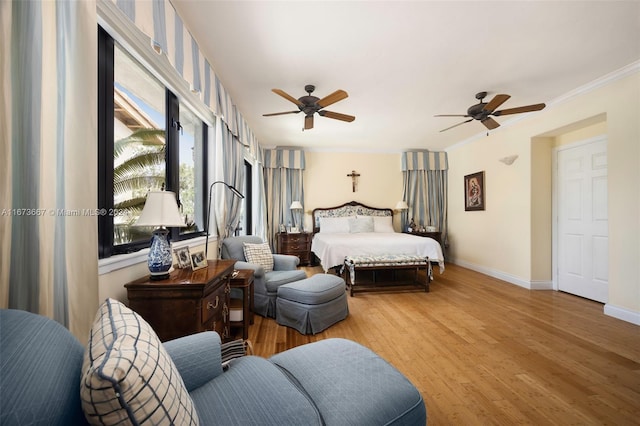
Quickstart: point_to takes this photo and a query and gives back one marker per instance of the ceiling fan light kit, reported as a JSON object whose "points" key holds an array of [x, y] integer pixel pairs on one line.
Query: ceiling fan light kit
{"points": [[482, 111], [312, 104]]}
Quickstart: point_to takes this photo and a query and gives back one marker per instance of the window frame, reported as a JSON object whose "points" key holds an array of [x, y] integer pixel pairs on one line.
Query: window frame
{"points": [[106, 117]]}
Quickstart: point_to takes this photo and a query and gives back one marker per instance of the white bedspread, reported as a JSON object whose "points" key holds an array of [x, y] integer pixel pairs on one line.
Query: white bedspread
{"points": [[332, 248]]}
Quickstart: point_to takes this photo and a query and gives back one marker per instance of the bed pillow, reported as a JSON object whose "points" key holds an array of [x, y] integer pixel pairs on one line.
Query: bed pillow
{"points": [[127, 375], [361, 224], [383, 224], [259, 254], [335, 225]]}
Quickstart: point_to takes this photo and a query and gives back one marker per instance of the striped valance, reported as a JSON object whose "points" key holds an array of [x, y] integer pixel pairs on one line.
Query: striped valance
{"points": [[158, 20], [424, 160], [284, 158]]}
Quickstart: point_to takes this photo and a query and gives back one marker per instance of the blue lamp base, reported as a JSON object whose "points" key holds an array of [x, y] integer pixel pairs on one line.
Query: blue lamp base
{"points": [[160, 259]]}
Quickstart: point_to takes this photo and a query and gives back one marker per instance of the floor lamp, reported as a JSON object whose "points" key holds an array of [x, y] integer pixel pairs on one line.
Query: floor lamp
{"points": [[235, 192]]}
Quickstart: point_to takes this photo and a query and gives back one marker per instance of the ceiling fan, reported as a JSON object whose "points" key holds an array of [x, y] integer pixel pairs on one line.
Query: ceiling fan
{"points": [[483, 111], [311, 104]]}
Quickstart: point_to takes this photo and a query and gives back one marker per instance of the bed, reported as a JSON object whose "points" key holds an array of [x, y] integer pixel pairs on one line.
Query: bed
{"points": [[356, 230]]}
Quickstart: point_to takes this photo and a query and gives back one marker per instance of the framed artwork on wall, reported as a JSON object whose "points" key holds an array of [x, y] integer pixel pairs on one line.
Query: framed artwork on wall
{"points": [[474, 196]]}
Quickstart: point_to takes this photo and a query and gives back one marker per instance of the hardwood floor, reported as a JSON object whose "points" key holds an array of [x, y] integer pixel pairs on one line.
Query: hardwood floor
{"points": [[482, 351]]}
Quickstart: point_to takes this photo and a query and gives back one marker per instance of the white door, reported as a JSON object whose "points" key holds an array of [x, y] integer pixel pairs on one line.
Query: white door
{"points": [[583, 254]]}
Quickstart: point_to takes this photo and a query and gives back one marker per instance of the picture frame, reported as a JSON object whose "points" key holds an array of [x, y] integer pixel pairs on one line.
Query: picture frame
{"points": [[294, 230], [183, 257], [474, 194], [198, 260]]}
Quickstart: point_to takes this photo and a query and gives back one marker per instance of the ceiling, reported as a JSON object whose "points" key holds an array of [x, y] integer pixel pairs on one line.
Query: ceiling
{"points": [[402, 62]]}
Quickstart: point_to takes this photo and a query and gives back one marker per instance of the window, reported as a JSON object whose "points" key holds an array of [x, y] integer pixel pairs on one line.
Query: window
{"points": [[191, 165], [245, 225], [148, 140]]}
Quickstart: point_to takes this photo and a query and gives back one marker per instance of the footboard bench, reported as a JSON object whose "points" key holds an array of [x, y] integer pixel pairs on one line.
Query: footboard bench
{"points": [[387, 271]]}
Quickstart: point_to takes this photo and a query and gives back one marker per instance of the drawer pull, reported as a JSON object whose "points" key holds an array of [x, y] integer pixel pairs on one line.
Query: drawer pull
{"points": [[212, 306]]}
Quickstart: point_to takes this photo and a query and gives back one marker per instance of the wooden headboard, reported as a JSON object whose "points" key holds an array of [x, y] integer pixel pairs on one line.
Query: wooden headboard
{"points": [[352, 208]]}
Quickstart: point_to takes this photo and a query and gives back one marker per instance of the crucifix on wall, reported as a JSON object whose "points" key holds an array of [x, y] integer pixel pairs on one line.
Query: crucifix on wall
{"points": [[353, 175]]}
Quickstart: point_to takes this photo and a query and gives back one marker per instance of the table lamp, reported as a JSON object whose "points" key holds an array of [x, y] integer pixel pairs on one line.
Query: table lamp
{"points": [[296, 205], [403, 207], [161, 210]]}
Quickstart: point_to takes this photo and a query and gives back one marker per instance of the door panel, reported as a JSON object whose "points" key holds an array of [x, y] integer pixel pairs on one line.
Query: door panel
{"points": [[583, 260]]}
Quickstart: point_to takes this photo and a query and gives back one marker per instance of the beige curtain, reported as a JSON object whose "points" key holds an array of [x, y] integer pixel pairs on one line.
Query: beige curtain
{"points": [[48, 155]]}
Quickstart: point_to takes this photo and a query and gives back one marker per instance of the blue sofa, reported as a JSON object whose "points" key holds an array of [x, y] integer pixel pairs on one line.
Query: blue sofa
{"points": [[329, 382]]}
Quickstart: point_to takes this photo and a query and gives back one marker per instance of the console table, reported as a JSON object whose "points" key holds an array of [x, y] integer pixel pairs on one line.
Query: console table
{"points": [[187, 302]]}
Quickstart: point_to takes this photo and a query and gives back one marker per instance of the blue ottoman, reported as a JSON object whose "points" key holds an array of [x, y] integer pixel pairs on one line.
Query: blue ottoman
{"points": [[313, 304], [351, 385]]}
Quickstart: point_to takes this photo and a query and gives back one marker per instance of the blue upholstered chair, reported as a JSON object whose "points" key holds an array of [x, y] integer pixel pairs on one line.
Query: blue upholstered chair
{"points": [[265, 284], [331, 382]]}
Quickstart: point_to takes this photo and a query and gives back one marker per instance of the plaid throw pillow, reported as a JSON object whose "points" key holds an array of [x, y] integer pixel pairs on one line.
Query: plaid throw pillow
{"points": [[260, 254], [127, 375]]}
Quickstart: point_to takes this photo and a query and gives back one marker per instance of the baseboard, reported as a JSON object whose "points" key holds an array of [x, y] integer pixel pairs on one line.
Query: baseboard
{"points": [[512, 279], [622, 313]]}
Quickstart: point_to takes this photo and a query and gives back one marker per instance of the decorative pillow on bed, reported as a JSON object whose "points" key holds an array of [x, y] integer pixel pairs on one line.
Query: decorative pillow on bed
{"points": [[361, 224], [260, 254], [335, 225], [383, 224], [127, 375]]}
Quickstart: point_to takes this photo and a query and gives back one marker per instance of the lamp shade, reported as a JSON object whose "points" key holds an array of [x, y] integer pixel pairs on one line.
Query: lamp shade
{"points": [[296, 205], [160, 209], [402, 205]]}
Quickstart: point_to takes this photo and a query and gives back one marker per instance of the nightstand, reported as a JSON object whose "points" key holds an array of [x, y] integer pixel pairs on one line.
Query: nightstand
{"points": [[435, 235], [298, 244], [187, 302]]}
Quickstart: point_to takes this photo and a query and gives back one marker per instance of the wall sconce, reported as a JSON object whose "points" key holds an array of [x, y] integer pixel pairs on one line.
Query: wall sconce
{"points": [[509, 159]]}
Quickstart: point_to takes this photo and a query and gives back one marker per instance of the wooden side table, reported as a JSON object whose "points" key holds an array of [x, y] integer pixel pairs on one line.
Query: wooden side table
{"points": [[187, 302], [243, 280], [298, 244]]}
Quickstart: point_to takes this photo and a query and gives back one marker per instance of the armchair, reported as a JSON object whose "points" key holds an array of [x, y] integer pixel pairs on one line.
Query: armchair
{"points": [[265, 284], [329, 382]]}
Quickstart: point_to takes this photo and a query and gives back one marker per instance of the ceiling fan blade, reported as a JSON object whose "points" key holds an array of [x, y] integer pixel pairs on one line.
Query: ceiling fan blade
{"points": [[308, 122], [456, 125], [280, 113], [337, 115], [287, 96], [490, 123], [518, 110], [336, 96], [496, 102], [452, 115]]}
